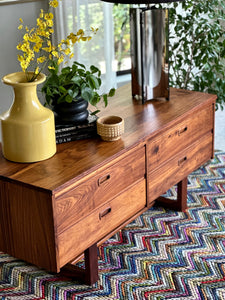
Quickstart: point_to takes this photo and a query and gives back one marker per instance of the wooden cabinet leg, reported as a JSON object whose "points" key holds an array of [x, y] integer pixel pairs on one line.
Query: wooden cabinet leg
{"points": [[89, 275], [181, 202], [182, 195], [91, 264]]}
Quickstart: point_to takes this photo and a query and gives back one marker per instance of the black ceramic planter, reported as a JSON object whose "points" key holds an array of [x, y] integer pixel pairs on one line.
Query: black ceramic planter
{"points": [[74, 112]]}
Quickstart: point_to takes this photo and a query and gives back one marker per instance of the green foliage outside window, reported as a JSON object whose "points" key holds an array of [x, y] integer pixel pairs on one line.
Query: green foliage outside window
{"points": [[197, 44], [197, 47], [121, 35]]}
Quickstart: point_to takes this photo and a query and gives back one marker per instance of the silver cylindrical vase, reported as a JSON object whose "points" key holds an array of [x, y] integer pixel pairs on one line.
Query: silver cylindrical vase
{"points": [[149, 53]]}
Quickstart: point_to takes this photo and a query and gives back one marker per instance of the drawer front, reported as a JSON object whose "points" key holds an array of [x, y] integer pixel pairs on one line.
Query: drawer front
{"points": [[170, 173], [179, 137], [99, 189], [101, 222]]}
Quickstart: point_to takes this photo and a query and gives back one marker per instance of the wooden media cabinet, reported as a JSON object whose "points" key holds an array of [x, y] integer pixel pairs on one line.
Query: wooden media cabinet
{"points": [[54, 211]]}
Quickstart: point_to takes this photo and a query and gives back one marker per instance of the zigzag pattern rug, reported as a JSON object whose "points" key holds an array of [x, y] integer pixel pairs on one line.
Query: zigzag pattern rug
{"points": [[163, 254]]}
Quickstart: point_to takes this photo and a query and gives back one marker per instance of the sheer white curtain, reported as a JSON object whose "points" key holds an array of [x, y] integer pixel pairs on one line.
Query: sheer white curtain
{"points": [[71, 15]]}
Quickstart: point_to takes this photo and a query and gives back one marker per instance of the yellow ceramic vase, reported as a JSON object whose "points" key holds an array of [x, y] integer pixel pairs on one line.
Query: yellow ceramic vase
{"points": [[28, 128]]}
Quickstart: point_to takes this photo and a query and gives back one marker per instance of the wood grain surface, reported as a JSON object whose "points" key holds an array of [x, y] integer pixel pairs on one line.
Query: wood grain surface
{"points": [[74, 159]]}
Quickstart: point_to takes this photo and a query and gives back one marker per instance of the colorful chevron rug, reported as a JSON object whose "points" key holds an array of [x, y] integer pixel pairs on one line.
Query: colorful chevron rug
{"points": [[163, 254]]}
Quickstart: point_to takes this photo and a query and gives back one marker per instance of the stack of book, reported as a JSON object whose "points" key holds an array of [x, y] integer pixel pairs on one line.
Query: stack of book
{"points": [[72, 132]]}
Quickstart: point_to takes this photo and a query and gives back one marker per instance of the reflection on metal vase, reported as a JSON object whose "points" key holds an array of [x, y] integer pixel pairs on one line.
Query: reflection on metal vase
{"points": [[149, 53]]}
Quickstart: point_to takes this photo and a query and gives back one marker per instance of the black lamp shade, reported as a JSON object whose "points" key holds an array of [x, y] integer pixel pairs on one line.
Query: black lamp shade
{"points": [[140, 1]]}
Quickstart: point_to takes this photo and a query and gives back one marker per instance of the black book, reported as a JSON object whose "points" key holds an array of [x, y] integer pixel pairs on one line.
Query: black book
{"points": [[90, 123], [75, 137], [72, 132]]}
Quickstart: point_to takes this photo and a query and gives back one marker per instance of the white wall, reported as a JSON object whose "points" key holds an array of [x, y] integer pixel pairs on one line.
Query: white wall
{"points": [[10, 37]]}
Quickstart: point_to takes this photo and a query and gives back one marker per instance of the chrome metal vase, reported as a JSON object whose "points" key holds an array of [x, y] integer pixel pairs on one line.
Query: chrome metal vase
{"points": [[149, 53]]}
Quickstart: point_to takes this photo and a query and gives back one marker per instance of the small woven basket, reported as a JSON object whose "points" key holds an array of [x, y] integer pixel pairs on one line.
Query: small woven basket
{"points": [[110, 128]]}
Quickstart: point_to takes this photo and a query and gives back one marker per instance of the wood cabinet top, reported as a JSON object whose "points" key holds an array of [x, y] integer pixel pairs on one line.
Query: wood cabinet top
{"points": [[75, 159]]}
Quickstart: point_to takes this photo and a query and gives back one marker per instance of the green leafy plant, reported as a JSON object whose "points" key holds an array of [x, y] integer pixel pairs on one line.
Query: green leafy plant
{"points": [[72, 83], [197, 47]]}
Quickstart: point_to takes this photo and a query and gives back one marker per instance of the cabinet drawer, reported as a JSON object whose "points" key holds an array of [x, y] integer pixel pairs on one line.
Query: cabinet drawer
{"points": [[99, 189], [101, 222], [170, 173], [179, 137]]}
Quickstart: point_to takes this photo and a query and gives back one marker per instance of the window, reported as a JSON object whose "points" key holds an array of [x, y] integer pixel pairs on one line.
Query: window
{"points": [[122, 38], [72, 15], [110, 48]]}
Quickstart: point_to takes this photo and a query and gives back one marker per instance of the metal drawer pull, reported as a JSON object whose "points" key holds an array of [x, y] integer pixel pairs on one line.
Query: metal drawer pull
{"points": [[182, 130], [105, 212], [103, 179], [182, 160]]}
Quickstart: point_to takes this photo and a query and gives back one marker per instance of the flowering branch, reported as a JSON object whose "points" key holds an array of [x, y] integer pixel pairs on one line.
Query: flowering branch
{"points": [[37, 48]]}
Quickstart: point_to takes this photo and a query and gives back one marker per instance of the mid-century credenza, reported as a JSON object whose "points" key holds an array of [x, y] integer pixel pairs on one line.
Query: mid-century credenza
{"points": [[54, 211]]}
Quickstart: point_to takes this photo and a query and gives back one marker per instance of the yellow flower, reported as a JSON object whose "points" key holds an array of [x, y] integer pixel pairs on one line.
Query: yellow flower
{"points": [[26, 37], [21, 20], [40, 32], [24, 65], [48, 16], [20, 27], [50, 48], [39, 21], [60, 46], [94, 30], [67, 42], [18, 47], [55, 54], [41, 59], [36, 70], [33, 38], [46, 33], [51, 68], [49, 23], [85, 38], [60, 60], [41, 24], [41, 14], [80, 32], [54, 3], [20, 58], [25, 46], [37, 47], [73, 38], [67, 51], [30, 54]]}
